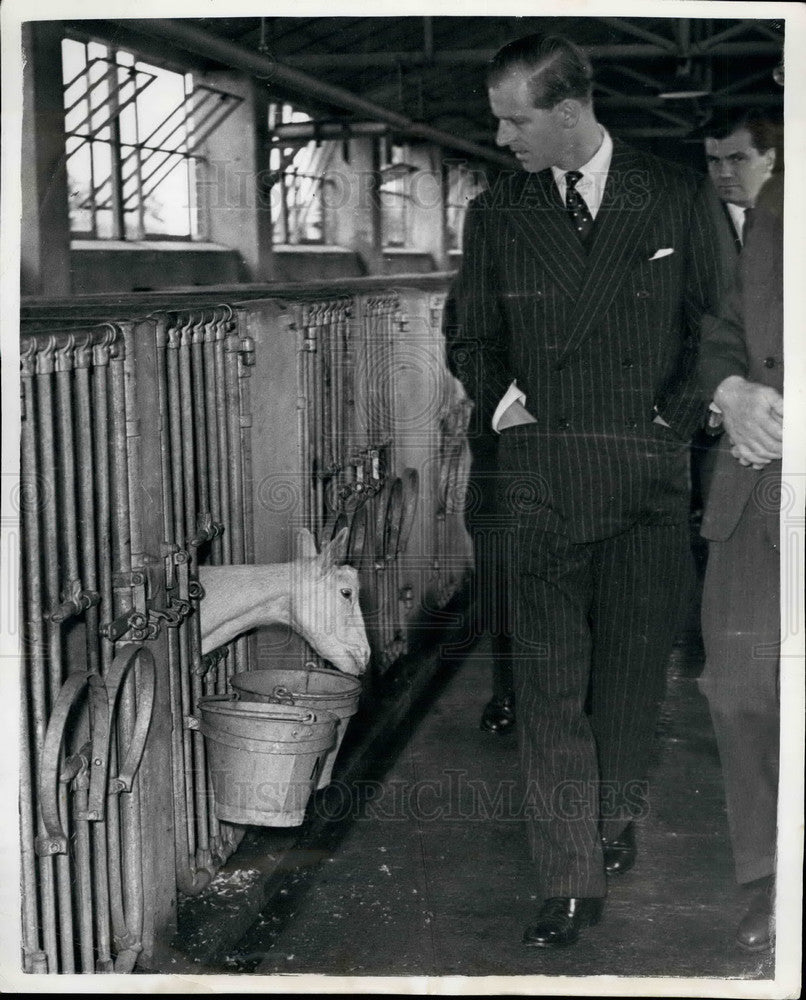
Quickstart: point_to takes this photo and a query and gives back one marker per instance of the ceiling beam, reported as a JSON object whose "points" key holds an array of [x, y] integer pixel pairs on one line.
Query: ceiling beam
{"points": [[198, 40], [658, 111], [478, 57], [764, 74], [721, 36], [628, 28], [729, 100]]}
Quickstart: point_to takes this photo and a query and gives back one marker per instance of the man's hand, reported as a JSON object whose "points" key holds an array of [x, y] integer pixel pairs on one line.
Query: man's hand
{"points": [[753, 418]]}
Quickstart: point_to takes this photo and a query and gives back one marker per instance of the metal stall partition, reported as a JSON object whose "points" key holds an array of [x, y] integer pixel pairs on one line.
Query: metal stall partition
{"points": [[153, 446], [87, 701], [377, 445], [203, 469], [133, 455]]}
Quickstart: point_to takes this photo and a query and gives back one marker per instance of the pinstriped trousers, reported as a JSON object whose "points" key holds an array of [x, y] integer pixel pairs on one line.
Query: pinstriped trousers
{"points": [[594, 624]]}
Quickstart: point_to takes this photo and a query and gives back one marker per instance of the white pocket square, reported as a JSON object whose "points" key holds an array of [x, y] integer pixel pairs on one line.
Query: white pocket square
{"points": [[662, 253]]}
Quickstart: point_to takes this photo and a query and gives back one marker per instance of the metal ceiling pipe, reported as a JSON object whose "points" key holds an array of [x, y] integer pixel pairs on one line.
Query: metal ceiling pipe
{"points": [[478, 57], [203, 43], [305, 131]]}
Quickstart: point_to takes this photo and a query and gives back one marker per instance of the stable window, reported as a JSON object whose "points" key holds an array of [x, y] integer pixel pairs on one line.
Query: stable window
{"points": [[464, 183], [300, 162], [396, 196], [133, 136]]}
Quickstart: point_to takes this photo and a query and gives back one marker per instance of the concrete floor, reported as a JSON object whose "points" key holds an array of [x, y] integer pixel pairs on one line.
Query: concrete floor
{"points": [[428, 874]]}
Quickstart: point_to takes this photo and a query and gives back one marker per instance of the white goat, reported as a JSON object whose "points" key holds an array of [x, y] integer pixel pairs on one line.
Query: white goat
{"points": [[315, 595]]}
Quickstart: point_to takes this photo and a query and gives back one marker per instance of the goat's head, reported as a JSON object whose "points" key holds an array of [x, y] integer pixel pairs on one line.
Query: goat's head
{"points": [[324, 606]]}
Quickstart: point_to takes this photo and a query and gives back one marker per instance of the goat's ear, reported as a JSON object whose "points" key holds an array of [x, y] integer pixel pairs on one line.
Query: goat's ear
{"points": [[335, 552], [306, 544]]}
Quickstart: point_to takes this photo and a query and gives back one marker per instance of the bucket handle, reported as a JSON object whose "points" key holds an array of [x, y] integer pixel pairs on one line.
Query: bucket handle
{"points": [[282, 696]]}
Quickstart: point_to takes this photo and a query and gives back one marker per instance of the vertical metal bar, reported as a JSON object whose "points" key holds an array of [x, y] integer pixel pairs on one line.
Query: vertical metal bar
{"points": [[103, 834], [86, 518], [212, 334], [319, 402], [339, 394], [217, 852], [84, 881], [198, 424], [304, 413], [231, 362], [65, 879], [101, 909], [47, 422], [177, 488], [129, 803], [186, 428], [197, 433], [72, 870], [34, 695], [180, 737], [30, 912], [245, 360], [246, 455], [122, 813], [121, 521], [326, 394], [221, 423], [202, 856], [133, 449], [67, 465], [103, 487]]}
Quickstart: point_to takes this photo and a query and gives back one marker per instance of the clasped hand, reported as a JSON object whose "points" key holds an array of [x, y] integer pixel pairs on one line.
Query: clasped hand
{"points": [[752, 415]]}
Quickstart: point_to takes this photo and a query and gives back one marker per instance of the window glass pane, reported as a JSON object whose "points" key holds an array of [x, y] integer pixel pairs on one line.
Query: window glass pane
{"points": [[79, 178], [73, 62], [393, 214], [102, 169], [165, 200], [156, 102], [100, 73], [463, 185], [297, 204], [150, 111]]}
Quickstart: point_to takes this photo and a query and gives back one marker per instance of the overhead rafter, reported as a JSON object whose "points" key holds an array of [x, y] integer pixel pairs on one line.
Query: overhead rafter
{"points": [[202, 42], [628, 28], [478, 57], [615, 96]]}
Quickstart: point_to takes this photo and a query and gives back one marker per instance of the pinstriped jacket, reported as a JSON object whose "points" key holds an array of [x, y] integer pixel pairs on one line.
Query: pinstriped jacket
{"points": [[599, 340]]}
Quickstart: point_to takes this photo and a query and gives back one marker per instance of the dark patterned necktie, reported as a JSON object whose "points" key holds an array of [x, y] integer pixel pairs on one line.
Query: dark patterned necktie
{"points": [[748, 220], [577, 209]]}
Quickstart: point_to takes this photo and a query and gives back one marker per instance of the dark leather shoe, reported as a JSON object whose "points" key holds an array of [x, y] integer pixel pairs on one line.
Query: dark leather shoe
{"points": [[499, 715], [755, 930], [619, 853], [560, 919]]}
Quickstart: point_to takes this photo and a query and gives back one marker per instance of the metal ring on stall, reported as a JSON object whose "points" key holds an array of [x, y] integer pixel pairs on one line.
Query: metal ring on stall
{"points": [[411, 497], [358, 536], [54, 840], [394, 514]]}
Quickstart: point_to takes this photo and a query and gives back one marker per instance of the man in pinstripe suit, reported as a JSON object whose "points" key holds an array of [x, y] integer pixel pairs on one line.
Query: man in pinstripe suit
{"points": [[584, 277]]}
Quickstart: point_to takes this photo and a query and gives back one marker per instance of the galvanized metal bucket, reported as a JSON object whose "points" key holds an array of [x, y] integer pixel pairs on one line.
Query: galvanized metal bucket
{"points": [[316, 689], [264, 759]]}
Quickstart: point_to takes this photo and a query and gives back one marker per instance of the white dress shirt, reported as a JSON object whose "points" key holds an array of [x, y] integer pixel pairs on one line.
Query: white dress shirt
{"points": [[594, 175], [736, 213]]}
